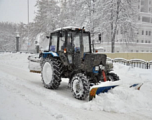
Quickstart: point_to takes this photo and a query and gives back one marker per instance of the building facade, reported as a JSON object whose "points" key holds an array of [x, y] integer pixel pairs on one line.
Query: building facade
{"points": [[144, 35]]}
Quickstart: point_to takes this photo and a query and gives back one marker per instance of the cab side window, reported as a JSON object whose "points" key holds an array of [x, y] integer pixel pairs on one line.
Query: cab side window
{"points": [[86, 43], [62, 42], [53, 46]]}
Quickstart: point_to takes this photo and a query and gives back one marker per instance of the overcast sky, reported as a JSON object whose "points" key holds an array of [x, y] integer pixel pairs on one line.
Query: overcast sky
{"points": [[16, 10]]}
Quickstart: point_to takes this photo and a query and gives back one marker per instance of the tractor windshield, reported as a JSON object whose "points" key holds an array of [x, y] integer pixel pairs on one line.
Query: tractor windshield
{"points": [[86, 43], [77, 39]]}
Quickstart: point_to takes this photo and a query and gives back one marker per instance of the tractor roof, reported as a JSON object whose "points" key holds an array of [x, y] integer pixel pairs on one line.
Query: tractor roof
{"points": [[68, 28]]}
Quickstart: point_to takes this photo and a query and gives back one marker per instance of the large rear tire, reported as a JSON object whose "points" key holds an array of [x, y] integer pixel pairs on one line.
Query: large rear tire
{"points": [[51, 73], [80, 86]]}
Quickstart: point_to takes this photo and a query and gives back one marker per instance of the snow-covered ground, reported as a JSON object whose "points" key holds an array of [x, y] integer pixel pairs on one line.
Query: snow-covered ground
{"points": [[23, 97]]}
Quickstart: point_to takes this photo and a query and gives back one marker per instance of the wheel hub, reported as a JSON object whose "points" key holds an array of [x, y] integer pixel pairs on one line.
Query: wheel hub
{"points": [[47, 73], [77, 87]]}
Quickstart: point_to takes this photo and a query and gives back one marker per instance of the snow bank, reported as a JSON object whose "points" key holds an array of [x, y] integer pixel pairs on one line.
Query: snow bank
{"points": [[27, 89], [123, 99], [15, 59]]}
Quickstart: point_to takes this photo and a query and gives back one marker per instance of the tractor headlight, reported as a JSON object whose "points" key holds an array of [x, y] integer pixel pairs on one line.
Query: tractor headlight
{"points": [[102, 67], [96, 68]]}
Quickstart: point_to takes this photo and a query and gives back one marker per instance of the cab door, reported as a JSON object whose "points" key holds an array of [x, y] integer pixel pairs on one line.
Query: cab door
{"points": [[53, 42], [69, 47], [77, 50]]}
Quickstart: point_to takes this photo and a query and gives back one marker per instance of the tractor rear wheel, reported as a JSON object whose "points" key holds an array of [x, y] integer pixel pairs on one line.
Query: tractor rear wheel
{"points": [[80, 86], [51, 73]]}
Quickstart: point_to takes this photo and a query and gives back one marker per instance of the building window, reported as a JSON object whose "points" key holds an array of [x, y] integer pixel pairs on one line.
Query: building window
{"points": [[146, 41], [149, 33], [144, 5], [117, 32], [142, 50], [142, 32], [146, 19], [137, 41], [142, 41], [131, 50], [142, 2], [136, 50], [149, 41], [146, 32]]}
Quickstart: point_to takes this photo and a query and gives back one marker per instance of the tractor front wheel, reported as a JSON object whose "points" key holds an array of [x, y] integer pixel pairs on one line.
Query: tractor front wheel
{"points": [[80, 86], [113, 77]]}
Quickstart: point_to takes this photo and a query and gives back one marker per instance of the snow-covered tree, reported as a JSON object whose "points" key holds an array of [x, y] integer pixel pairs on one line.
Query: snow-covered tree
{"points": [[104, 16], [7, 36], [75, 13], [118, 14], [65, 18], [47, 16]]}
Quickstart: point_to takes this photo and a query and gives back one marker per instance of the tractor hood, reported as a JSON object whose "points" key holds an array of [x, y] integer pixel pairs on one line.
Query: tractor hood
{"points": [[91, 60]]}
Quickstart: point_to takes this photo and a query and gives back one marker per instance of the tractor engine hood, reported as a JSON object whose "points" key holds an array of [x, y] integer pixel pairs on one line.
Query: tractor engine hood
{"points": [[91, 60]]}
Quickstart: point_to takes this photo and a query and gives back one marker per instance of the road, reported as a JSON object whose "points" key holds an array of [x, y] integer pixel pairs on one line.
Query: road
{"points": [[24, 97]]}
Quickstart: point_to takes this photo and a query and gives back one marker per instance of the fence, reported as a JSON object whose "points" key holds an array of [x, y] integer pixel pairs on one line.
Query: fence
{"points": [[129, 56], [150, 64], [134, 63], [121, 60]]}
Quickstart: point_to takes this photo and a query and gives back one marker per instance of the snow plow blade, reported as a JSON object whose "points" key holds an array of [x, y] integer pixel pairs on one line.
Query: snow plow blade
{"points": [[34, 63], [104, 87]]}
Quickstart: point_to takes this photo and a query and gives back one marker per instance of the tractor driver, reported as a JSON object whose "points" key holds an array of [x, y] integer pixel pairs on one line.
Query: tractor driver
{"points": [[70, 45]]}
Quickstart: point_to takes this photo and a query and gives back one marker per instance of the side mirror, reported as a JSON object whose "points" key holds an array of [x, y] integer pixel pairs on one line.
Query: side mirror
{"points": [[99, 37], [47, 37]]}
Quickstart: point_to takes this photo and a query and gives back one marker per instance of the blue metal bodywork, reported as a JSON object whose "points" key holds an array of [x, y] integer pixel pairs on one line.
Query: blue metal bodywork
{"points": [[45, 54], [94, 71]]}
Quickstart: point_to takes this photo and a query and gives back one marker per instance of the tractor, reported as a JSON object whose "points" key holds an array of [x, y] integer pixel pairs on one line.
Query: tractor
{"points": [[70, 55]]}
